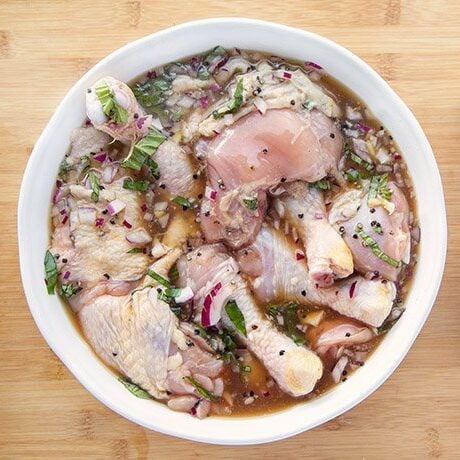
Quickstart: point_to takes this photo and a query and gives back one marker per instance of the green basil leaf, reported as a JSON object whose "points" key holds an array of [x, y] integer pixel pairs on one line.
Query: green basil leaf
{"points": [[135, 251], [236, 317], [110, 107], [373, 245], [233, 104], [184, 202], [251, 203], [217, 51], [201, 390], [136, 390], [359, 161], [322, 184], [68, 290], [94, 182], [51, 272], [157, 277], [138, 185], [353, 175]]}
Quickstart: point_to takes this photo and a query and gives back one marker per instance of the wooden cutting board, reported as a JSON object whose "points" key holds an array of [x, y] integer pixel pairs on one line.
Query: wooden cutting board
{"points": [[45, 46]]}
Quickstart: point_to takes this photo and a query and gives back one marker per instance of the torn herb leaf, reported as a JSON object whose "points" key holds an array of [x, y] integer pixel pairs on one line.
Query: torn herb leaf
{"points": [[136, 390], [379, 186], [173, 292], [95, 183], [143, 150], [373, 245], [203, 73], [251, 203], [135, 251], [291, 320], [201, 390], [157, 277], [109, 105], [152, 95], [322, 184], [64, 168], [138, 185], [214, 53], [68, 290], [184, 202], [236, 317], [359, 161], [353, 175], [51, 272], [153, 167], [233, 104]]}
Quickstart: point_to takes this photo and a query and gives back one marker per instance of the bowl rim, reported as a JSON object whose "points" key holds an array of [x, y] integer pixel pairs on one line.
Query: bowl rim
{"points": [[256, 438]]}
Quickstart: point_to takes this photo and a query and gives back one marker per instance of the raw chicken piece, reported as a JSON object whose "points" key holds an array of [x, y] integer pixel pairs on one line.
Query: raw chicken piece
{"points": [[137, 334], [136, 124], [328, 257], [262, 149], [86, 140], [389, 227], [265, 83], [256, 153], [176, 169], [276, 273], [209, 268], [95, 249], [332, 334]]}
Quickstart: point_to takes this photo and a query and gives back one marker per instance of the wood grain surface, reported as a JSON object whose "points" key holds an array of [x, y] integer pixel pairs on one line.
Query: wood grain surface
{"points": [[46, 46]]}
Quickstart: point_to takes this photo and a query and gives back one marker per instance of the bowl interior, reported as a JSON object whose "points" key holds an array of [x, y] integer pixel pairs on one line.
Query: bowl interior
{"points": [[171, 45]]}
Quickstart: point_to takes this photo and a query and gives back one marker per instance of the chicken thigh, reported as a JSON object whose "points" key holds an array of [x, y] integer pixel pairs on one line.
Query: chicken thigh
{"points": [[275, 273], [213, 276], [256, 153], [328, 257]]}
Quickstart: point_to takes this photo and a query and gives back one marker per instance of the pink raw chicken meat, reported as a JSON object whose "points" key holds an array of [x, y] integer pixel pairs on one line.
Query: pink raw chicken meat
{"points": [[256, 153]]}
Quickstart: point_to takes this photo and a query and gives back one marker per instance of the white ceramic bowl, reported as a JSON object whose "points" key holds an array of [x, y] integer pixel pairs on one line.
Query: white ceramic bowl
{"points": [[170, 45]]}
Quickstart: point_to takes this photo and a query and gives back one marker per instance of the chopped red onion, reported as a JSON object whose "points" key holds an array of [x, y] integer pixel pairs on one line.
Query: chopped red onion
{"points": [[57, 192], [222, 62], [66, 217], [101, 157], [339, 368], [204, 101], [127, 224], [313, 64], [195, 63], [211, 312], [260, 105], [144, 207], [186, 102], [214, 88], [99, 222], [116, 206], [66, 275], [299, 255], [352, 289], [86, 215], [319, 215], [363, 127], [109, 173], [287, 75], [139, 236], [210, 193]]}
